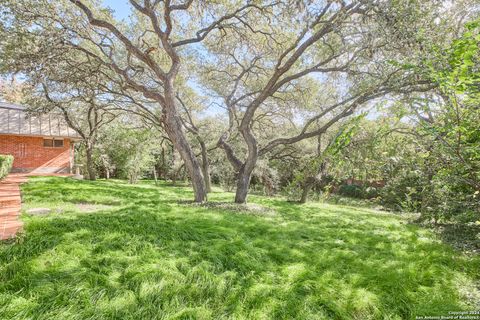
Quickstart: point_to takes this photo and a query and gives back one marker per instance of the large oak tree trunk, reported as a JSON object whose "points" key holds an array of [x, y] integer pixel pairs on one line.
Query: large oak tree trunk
{"points": [[245, 172], [243, 183], [174, 129], [244, 169], [306, 190], [311, 182]]}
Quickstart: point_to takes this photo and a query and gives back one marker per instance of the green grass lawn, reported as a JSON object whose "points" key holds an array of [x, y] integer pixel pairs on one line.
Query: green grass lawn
{"points": [[110, 250]]}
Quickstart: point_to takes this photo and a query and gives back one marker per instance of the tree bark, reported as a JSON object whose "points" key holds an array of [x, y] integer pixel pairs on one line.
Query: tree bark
{"points": [[163, 172], [311, 181], [90, 165], [306, 190], [244, 169], [155, 175], [245, 172], [173, 127], [243, 184], [205, 167], [244, 177]]}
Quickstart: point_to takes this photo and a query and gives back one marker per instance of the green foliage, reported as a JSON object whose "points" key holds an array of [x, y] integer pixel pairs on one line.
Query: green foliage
{"points": [[344, 136], [351, 190], [310, 166], [6, 162], [405, 191], [143, 254], [266, 177], [455, 132], [432, 165], [357, 191], [130, 152], [460, 74]]}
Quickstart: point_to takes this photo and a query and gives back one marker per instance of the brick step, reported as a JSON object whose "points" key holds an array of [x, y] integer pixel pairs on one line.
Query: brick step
{"points": [[9, 183], [10, 206], [8, 230], [14, 210], [10, 203], [13, 182], [8, 217], [7, 187], [8, 196], [7, 220], [9, 223], [12, 186], [10, 193]]}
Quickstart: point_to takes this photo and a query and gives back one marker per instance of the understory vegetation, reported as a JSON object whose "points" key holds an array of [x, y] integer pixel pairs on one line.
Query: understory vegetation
{"points": [[6, 162], [113, 250]]}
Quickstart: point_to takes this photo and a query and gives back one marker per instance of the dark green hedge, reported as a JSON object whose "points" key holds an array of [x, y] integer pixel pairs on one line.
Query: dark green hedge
{"points": [[5, 165], [359, 192]]}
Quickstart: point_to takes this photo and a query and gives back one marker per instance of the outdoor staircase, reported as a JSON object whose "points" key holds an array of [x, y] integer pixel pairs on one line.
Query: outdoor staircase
{"points": [[10, 206]]}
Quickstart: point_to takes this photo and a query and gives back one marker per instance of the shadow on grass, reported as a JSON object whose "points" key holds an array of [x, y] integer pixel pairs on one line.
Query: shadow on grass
{"points": [[462, 237], [154, 259]]}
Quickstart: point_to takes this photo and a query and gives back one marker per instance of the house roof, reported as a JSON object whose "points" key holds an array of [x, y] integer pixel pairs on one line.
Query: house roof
{"points": [[15, 120]]}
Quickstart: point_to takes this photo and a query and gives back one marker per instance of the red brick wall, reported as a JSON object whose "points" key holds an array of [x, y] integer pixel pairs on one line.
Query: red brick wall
{"points": [[31, 156]]}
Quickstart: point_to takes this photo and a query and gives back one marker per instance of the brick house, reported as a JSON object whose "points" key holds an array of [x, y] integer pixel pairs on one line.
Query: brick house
{"points": [[39, 144]]}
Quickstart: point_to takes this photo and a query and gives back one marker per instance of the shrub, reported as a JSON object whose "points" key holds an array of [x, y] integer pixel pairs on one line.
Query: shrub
{"points": [[352, 191], [371, 193], [6, 163], [405, 191]]}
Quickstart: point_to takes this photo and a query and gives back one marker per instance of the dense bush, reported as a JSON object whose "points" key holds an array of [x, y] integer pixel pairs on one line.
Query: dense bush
{"points": [[352, 191], [358, 191], [6, 163], [371, 192], [404, 191]]}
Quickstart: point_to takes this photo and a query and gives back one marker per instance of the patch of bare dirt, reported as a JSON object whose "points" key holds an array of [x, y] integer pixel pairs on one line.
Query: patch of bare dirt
{"points": [[250, 208]]}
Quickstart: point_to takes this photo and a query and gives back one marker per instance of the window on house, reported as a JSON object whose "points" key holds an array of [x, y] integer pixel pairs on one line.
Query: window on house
{"points": [[53, 143], [48, 143], [58, 143]]}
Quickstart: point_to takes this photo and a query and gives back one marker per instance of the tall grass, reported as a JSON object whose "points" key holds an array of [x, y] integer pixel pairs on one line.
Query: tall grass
{"points": [[145, 254]]}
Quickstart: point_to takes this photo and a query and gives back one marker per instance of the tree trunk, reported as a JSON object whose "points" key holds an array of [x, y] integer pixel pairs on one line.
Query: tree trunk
{"points": [[163, 172], [205, 166], [90, 165], [311, 181], [306, 190], [155, 175], [243, 183], [106, 166], [173, 127], [245, 172], [206, 175]]}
